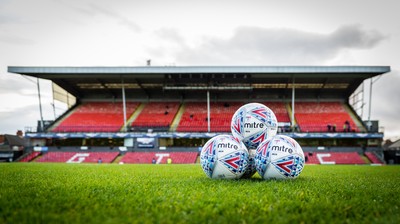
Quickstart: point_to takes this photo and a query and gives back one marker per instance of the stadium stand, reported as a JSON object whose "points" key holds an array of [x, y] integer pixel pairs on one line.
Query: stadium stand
{"points": [[96, 117], [194, 119], [311, 158], [335, 158], [373, 158], [78, 157], [160, 158], [315, 117], [31, 156], [156, 115], [195, 115], [171, 99], [347, 158]]}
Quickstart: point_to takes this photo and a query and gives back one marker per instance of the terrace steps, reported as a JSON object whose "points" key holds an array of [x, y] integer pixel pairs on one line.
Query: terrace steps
{"points": [[118, 159], [178, 117], [290, 112], [37, 158], [365, 159], [374, 158], [134, 115]]}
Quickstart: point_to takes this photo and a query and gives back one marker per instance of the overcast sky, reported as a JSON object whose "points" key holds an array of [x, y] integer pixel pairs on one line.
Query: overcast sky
{"points": [[184, 33]]}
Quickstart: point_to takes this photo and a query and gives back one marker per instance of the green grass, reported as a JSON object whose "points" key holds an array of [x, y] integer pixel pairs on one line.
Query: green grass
{"points": [[111, 193]]}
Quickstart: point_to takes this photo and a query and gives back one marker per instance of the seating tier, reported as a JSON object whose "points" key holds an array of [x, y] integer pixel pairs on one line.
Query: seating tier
{"points": [[96, 117], [335, 158], [194, 119], [80, 157], [156, 115], [30, 157], [373, 158], [160, 158], [315, 117]]}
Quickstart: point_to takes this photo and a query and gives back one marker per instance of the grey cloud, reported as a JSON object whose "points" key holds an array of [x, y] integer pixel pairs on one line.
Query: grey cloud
{"points": [[171, 35], [93, 9], [120, 18], [254, 45], [26, 117], [168, 40], [13, 86], [6, 19], [81, 8], [353, 36], [16, 40]]}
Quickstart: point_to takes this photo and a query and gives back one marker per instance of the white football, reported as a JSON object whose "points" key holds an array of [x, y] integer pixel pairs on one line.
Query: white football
{"points": [[253, 123], [224, 157], [251, 167], [280, 157]]}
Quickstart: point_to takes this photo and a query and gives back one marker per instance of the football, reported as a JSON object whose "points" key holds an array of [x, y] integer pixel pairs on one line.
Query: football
{"points": [[224, 157], [280, 157], [253, 123], [251, 168]]}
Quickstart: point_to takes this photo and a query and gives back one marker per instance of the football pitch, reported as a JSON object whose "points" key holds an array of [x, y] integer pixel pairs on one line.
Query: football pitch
{"points": [[112, 193]]}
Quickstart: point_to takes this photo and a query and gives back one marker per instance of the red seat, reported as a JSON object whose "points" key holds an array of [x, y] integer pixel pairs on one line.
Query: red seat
{"points": [[315, 117], [78, 157], [31, 156], [373, 158], [156, 115], [194, 119], [335, 158], [312, 158], [96, 117], [160, 157]]}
